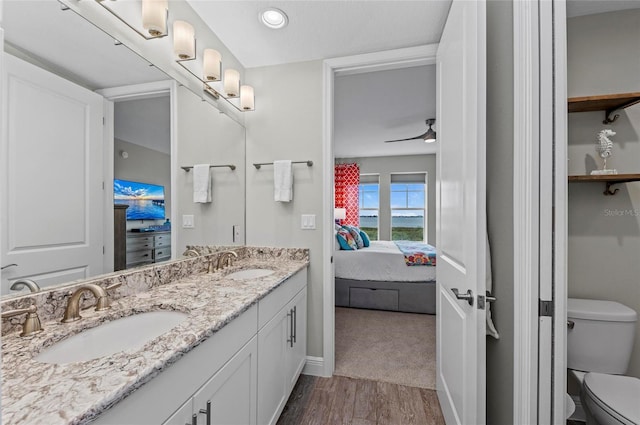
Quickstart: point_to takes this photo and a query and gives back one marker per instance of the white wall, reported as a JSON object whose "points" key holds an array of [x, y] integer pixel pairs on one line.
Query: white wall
{"points": [[206, 136], [143, 165], [604, 231], [387, 165], [287, 124]]}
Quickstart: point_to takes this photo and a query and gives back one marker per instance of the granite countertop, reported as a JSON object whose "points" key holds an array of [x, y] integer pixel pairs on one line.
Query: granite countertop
{"points": [[75, 393]]}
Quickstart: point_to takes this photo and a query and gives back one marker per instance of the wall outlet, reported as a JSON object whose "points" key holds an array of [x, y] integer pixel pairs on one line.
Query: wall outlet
{"points": [[187, 221], [308, 221]]}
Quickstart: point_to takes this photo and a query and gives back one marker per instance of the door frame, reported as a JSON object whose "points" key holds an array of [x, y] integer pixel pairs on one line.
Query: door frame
{"points": [[539, 210], [348, 65], [131, 92]]}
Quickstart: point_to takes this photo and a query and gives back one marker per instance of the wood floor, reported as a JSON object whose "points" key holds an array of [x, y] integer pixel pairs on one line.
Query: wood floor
{"points": [[342, 400]]}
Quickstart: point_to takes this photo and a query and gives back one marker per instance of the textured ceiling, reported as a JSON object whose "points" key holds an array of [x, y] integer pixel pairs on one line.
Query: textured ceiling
{"points": [[322, 29], [71, 46], [144, 122], [385, 105]]}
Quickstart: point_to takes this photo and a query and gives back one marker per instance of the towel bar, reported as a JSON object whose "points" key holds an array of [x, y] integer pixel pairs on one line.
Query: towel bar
{"points": [[187, 168], [258, 165]]}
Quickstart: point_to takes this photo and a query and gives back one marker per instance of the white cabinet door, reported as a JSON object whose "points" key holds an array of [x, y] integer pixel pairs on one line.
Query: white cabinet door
{"points": [[272, 379], [51, 190], [229, 397], [461, 218], [297, 349], [183, 416]]}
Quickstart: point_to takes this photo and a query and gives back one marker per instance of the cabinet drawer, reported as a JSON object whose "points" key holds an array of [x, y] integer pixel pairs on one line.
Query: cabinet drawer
{"points": [[139, 256], [383, 299], [276, 300], [162, 254], [139, 243], [163, 238], [161, 243]]}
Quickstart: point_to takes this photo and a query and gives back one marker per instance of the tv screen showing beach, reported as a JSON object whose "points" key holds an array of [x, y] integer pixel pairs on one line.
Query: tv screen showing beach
{"points": [[145, 201]]}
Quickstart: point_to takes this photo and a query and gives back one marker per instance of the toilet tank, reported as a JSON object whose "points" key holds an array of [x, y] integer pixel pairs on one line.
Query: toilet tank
{"points": [[602, 336]]}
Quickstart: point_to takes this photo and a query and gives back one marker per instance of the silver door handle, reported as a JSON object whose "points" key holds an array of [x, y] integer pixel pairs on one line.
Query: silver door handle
{"points": [[490, 298], [468, 296]]}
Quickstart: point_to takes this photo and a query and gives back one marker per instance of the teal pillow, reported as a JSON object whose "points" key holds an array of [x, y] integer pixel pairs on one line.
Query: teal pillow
{"points": [[345, 240], [355, 233], [365, 239]]}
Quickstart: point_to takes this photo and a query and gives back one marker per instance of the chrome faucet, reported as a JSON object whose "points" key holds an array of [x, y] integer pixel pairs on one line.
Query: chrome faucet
{"points": [[191, 253], [31, 324], [21, 283], [225, 256], [72, 312]]}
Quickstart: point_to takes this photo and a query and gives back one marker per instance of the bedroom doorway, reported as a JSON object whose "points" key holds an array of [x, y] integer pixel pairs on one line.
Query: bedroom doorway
{"points": [[379, 340]]}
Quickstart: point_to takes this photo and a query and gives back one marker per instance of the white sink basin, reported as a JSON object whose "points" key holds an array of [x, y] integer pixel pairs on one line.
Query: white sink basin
{"points": [[250, 274], [118, 335]]}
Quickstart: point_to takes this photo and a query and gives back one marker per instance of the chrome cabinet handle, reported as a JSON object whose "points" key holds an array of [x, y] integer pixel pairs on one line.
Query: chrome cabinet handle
{"points": [[295, 324], [207, 412], [194, 420], [468, 296], [290, 337]]}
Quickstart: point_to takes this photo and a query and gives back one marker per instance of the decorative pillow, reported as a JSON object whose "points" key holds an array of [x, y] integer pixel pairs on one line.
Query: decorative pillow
{"points": [[337, 227], [345, 240], [365, 239], [355, 232]]}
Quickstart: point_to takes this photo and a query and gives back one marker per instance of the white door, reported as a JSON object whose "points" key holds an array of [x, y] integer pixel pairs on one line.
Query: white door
{"points": [[51, 162], [461, 215]]}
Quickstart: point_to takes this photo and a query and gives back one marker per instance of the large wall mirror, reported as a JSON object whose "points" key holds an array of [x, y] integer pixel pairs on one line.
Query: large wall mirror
{"points": [[70, 146]]}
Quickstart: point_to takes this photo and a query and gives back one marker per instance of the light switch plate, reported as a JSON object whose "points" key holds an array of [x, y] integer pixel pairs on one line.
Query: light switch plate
{"points": [[187, 221], [308, 221]]}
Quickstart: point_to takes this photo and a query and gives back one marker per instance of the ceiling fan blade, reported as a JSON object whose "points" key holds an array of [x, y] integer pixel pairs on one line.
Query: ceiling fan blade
{"points": [[421, 137]]}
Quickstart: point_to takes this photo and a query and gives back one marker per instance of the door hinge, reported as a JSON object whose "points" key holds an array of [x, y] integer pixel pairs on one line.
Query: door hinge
{"points": [[545, 308]]}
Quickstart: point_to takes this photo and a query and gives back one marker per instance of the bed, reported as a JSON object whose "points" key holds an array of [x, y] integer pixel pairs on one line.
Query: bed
{"points": [[377, 277]]}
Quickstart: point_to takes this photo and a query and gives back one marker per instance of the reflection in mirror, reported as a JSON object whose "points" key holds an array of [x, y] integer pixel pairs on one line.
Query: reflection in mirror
{"points": [[61, 159], [53, 197]]}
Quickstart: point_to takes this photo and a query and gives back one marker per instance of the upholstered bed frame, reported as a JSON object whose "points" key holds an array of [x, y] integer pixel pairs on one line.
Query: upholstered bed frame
{"points": [[411, 297]]}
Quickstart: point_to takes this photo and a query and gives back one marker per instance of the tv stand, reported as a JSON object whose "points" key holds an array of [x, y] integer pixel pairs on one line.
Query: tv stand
{"points": [[148, 247]]}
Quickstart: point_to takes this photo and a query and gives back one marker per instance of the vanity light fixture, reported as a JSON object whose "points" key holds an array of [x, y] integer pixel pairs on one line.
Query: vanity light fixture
{"points": [[231, 82], [184, 41], [153, 23], [247, 99], [274, 18], [212, 65]]}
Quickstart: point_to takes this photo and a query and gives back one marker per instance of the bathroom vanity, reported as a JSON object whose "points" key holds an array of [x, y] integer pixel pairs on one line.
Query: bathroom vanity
{"points": [[233, 359]]}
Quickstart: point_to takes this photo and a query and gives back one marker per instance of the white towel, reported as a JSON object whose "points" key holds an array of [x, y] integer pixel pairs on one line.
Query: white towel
{"points": [[491, 329], [201, 183], [282, 181]]}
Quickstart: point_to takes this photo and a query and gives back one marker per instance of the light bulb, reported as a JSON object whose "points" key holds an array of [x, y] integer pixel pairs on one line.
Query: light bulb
{"points": [[231, 82], [247, 99], [184, 40], [212, 64], [154, 16]]}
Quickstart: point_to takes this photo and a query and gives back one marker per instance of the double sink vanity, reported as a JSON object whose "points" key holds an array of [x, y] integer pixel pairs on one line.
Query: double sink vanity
{"points": [[183, 342]]}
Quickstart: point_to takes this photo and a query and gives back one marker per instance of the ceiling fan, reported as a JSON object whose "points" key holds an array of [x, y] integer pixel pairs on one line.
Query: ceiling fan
{"points": [[428, 137]]}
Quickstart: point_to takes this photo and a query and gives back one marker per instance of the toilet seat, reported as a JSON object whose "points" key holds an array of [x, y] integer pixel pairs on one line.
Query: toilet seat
{"points": [[612, 398]]}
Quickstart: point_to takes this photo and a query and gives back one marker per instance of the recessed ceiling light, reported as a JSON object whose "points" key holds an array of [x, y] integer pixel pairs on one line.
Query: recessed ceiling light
{"points": [[274, 18]]}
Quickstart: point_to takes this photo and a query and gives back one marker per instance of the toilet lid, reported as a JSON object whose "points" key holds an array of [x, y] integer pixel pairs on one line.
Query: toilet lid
{"points": [[607, 311], [617, 395]]}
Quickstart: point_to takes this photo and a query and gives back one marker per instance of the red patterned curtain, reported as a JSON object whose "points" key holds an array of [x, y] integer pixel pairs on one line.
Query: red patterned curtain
{"points": [[347, 180]]}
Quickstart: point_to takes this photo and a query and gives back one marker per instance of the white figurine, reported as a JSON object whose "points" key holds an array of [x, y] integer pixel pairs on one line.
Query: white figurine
{"points": [[603, 147]]}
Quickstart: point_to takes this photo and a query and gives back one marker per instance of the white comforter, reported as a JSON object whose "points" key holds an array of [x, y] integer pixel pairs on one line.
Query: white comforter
{"points": [[380, 261]]}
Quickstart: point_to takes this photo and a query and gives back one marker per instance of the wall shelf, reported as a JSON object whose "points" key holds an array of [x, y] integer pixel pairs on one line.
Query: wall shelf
{"points": [[608, 179], [608, 103]]}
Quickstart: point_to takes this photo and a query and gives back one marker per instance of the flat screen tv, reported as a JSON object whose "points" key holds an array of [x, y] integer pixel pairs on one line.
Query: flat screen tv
{"points": [[146, 201]]}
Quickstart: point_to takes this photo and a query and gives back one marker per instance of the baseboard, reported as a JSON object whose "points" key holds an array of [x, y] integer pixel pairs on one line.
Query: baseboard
{"points": [[314, 366]]}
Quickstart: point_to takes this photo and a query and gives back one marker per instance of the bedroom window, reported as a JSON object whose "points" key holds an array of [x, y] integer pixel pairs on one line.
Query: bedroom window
{"points": [[369, 200], [408, 207]]}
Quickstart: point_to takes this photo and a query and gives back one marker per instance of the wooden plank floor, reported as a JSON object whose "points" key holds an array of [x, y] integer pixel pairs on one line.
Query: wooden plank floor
{"points": [[342, 400]]}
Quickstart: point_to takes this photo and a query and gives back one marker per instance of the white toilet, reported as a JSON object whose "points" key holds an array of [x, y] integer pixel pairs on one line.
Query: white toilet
{"points": [[599, 344]]}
